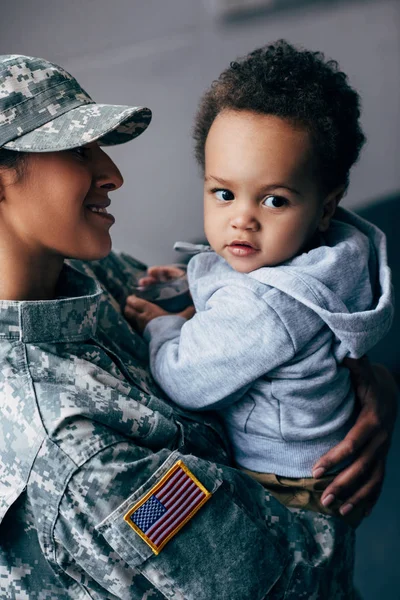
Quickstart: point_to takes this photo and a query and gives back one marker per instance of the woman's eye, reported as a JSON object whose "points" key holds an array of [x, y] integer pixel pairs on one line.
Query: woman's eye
{"points": [[224, 195], [81, 151], [274, 201]]}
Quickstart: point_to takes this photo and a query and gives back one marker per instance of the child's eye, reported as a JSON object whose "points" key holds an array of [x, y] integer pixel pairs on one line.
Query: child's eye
{"points": [[224, 195], [274, 201]]}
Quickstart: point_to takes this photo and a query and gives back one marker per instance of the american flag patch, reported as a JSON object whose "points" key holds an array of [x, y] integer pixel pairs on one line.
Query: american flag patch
{"points": [[166, 508]]}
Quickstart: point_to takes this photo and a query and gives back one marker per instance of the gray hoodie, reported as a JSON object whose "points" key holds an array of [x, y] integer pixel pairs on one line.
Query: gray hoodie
{"points": [[265, 348]]}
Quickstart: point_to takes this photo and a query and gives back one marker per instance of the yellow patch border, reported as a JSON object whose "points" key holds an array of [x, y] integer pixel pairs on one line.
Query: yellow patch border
{"points": [[178, 465]]}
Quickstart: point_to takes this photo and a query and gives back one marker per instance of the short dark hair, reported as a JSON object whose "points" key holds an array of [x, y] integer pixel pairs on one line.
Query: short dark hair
{"points": [[299, 86], [11, 159]]}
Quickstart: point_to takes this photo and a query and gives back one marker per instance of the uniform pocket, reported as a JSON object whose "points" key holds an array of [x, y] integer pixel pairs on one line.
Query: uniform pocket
{"points": [[221, 553]]}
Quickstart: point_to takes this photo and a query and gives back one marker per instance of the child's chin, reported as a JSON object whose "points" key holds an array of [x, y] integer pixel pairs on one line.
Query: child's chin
{"points": [[242, 266]]}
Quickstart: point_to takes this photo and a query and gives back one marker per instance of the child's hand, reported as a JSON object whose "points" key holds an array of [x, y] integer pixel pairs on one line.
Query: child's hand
{"points": [[160, 275], [139, 312]]}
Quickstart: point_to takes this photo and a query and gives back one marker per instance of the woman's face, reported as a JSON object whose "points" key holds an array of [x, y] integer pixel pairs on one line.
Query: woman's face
{"points": [[57, 205]]}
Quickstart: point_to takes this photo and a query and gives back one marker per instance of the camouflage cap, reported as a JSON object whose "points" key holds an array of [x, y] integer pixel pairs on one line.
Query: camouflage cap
{"points": [[43, 109]]}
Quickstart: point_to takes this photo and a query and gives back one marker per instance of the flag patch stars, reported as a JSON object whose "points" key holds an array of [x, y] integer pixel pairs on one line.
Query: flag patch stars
{"points": [[167, 507]]}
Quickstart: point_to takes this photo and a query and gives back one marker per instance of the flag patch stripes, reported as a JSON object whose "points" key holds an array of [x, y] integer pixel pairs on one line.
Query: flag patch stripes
{"points": [[167, 507]]}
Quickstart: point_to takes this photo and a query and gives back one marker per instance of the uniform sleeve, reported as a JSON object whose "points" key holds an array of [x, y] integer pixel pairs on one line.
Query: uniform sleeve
{"points": [[118, 273], [96, 547], [210, 361]]}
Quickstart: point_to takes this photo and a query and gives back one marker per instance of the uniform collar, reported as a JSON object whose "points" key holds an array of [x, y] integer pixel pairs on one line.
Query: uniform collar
{"points": [[71, 317]]}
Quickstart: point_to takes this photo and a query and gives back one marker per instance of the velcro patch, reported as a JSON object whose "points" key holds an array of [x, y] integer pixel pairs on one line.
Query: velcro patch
{"points": [[167, 507]]}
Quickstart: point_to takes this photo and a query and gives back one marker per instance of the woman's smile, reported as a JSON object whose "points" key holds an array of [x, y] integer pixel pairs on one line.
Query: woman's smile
{"points": [[100, 210]]}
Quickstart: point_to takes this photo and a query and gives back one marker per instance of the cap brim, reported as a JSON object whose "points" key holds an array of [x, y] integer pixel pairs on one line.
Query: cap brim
{"points": [[105, 123]]}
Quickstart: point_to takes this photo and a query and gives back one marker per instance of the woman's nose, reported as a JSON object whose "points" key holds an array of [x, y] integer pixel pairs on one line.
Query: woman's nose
{"points": [[107, 175]]}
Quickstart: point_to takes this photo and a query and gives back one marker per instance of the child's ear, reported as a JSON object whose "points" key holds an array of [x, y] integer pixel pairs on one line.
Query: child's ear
{"points": [[329, 206]]}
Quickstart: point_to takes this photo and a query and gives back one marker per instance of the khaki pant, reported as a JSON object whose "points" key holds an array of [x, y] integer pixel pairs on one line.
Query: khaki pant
{"points": [[306, 493]]}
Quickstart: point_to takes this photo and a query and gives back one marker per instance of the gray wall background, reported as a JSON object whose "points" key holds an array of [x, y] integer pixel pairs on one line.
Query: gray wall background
{"points": [[163, 54]]}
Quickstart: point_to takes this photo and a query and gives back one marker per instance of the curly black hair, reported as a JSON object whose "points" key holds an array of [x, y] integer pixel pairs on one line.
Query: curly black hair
{"points": [[299, 86]]}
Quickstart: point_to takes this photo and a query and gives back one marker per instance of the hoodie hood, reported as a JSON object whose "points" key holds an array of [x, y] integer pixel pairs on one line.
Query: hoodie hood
{"points": [[345, 280]]}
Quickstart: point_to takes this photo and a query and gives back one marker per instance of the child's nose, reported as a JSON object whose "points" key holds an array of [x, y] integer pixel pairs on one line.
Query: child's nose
{"points": [[245, 220]]}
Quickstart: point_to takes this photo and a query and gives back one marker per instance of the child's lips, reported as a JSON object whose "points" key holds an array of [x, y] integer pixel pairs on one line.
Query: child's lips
{"points": [[241, 248]]}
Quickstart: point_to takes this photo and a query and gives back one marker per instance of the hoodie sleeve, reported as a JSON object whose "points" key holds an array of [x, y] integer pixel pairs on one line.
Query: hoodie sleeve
{"points": [[212, 359]]}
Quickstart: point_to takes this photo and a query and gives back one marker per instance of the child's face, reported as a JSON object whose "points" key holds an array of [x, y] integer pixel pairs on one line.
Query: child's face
{"points": [[262, 202]]}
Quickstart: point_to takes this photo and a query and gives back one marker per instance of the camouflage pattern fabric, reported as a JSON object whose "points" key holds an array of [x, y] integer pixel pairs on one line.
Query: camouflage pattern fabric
{"points": [[43, 108], [85, 433]]}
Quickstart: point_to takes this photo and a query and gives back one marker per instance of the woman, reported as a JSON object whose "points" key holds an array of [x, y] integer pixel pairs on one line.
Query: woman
{"points": [[90, 449]]}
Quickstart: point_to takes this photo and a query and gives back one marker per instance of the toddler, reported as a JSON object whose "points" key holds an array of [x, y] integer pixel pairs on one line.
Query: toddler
{"points": [[290, 285]]}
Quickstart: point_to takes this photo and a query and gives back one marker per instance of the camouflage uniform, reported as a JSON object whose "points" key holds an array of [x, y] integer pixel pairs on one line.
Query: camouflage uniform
{"points": [[85, 432]]}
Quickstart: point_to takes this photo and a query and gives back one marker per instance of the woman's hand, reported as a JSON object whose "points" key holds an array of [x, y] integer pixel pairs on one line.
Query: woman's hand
{"points": [[367, 443]]}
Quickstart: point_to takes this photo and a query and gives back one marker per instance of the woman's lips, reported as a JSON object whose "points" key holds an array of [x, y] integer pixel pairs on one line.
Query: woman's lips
{"points": [[241, 249], [101, 212]]}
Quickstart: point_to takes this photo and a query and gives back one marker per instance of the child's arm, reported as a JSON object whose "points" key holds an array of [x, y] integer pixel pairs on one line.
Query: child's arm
{"points": [[140, 312], [210, 361]]}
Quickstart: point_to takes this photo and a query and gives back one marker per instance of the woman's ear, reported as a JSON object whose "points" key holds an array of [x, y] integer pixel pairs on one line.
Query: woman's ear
{"points": [[7, 177], [329, 206], [2, 186]]}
